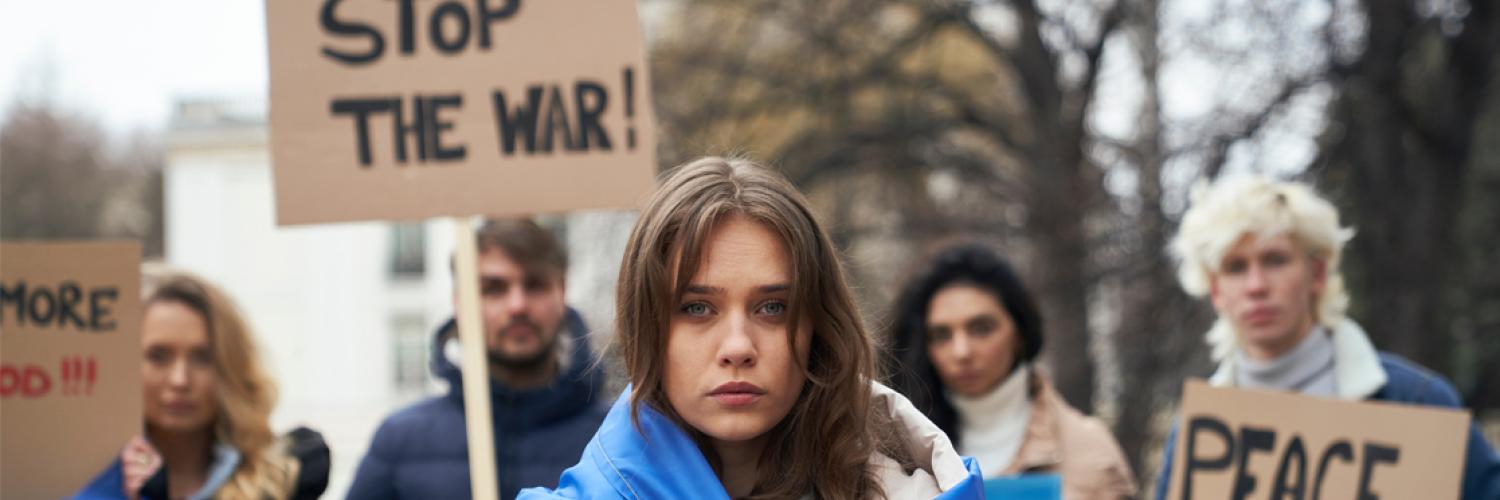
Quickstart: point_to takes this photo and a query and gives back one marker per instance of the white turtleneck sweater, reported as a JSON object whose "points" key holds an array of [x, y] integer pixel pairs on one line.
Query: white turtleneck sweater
{"points": [[992, 426], [1308, 368]]}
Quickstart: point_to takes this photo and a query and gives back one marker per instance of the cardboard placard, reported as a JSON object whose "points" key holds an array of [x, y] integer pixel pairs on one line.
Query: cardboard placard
{"points": [[70, 367], [405, 109], [1237, 443]]}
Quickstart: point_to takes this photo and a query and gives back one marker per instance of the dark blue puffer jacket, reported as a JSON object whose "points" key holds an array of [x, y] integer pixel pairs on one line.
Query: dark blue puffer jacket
{"points": [[422, 451]]}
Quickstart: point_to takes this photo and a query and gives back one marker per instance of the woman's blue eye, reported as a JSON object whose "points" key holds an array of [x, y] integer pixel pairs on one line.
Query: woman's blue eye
{"points": [[773, 309], [695, 309]]}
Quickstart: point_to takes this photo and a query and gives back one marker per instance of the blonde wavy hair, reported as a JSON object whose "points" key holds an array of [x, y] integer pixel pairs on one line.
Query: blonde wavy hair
{"points": [[1223, 213], [246, 394]]}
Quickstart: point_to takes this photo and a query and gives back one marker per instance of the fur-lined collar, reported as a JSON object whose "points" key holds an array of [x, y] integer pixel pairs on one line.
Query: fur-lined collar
{"points": [[1356, 363]]}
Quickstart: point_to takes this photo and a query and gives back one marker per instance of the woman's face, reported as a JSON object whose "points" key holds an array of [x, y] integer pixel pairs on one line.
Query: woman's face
{"points": [[177, 375], [730, 372], [971, 340]]}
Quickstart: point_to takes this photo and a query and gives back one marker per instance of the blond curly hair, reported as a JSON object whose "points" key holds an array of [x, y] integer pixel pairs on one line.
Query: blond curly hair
{"points": [[1222, 214]]}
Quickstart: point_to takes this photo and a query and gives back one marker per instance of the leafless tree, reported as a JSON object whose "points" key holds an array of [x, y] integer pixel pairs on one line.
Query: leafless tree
{"points": [[61, 178], [914, 121]]}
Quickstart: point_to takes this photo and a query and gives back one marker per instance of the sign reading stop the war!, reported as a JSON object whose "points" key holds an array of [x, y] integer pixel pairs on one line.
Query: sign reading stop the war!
{"points": [[70, 366], [404, 109], [1236, 443]]}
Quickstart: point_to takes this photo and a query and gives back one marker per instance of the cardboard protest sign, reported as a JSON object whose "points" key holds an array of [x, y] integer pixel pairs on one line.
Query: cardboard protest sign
{"points": [[400, 109], [1236, 443], [70, 368]]}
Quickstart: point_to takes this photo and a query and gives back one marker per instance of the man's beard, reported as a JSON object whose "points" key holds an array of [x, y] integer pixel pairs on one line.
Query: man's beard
{"points": [[526, 362]]}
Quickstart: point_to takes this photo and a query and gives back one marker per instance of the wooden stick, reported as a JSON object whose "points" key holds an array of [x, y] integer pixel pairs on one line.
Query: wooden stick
{"points": [[476, 373]]}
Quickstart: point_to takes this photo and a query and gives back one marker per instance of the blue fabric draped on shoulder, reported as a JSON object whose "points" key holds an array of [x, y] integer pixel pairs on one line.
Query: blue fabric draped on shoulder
{"points": [[972, 487], [659, 461]]}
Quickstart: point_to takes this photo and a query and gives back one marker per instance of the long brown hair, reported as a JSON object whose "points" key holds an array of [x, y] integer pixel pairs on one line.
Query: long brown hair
{"points": [[824, 443], [246, 394]]}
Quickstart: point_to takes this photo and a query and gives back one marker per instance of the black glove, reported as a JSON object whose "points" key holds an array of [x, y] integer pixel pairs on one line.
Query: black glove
{"points": [[308, 447], [156, 487]]}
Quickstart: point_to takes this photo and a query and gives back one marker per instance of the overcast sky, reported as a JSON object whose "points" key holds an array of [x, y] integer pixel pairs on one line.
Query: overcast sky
{"points": [[122, 62]]}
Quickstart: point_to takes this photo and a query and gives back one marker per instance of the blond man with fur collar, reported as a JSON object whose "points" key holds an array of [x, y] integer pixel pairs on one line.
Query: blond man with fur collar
{"points": [[1266, 254]]}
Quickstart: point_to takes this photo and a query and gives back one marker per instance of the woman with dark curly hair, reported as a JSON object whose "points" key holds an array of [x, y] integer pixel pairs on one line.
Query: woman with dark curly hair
{"points": [[966, 332]]}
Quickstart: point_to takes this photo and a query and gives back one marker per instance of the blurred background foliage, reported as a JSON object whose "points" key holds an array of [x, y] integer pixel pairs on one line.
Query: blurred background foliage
{"points": [[1070, 132]]}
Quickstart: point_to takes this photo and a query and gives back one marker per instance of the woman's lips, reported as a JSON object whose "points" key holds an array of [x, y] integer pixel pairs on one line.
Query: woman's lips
{"points": [[180, 407], [736, 399], [737, 394]]}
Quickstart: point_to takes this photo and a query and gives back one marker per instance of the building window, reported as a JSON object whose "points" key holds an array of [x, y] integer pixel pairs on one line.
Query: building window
{"points": [[408, 249], [410, 339]]}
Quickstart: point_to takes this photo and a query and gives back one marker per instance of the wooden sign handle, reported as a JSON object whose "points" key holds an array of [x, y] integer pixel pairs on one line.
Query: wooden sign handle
{"points": [[475, 367]]}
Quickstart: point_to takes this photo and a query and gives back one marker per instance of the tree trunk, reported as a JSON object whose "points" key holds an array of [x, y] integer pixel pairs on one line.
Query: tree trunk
{"points": [[1408, 109]]}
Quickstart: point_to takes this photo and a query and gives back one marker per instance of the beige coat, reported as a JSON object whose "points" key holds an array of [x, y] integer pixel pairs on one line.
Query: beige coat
{"points": [[1060, 440]]}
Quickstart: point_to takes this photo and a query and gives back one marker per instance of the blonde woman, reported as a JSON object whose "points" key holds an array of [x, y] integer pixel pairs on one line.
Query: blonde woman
{"points": [[752, 374], [207, 404]]}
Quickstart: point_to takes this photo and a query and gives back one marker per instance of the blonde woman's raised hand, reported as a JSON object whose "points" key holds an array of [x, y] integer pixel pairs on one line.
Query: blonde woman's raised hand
{"points": [[139, 461]]}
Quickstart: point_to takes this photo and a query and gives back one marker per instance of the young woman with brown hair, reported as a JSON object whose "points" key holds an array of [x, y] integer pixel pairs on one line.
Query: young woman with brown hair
{"points": [[752, 374]]}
